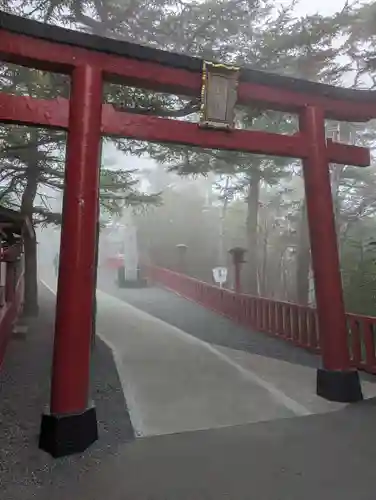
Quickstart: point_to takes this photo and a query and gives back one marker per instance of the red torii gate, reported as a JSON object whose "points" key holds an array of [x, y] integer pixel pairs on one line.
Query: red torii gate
{"points": [[90, 60]]}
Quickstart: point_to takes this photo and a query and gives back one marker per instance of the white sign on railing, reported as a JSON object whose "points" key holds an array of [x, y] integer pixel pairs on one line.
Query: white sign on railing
{"points": [[220, 275]]}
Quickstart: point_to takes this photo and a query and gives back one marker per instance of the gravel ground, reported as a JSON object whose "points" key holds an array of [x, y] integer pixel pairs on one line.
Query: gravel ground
{"points": [[205, 324], [26, 472]]}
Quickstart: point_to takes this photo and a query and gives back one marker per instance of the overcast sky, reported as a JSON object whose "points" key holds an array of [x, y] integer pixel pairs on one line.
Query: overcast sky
{"points": [[304, 7], [313, 6]]}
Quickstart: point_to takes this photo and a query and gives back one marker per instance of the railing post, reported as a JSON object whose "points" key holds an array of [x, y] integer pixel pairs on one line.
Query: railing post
{"points": [[336, 381], [10, 283], [3, 282], [71, 426]]}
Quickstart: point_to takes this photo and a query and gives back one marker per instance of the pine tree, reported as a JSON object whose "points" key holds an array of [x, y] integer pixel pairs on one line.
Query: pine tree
{"points": [[32, 168], [244, 32]]}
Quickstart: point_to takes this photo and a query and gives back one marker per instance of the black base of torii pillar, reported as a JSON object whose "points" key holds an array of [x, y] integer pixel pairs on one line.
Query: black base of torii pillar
{"points": [[339, 386], [63, 435]]}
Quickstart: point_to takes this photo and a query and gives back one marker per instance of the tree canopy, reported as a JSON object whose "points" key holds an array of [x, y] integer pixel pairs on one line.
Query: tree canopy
{"points": [[336, 49]]}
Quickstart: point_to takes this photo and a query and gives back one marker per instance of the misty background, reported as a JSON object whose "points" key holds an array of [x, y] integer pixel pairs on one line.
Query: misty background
{"points": [[208, 200]]}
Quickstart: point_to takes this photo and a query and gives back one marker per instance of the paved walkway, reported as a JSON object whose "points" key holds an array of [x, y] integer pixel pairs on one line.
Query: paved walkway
{"points": [[284, 370], [204, 324], [176, 382], [256, 428], [329, 456]]}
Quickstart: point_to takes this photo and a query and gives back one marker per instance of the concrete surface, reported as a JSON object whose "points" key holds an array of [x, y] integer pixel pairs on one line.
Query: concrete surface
{"points": [[328, 457], [205, 324], [295, 380], [174, 382], [287, 368]]}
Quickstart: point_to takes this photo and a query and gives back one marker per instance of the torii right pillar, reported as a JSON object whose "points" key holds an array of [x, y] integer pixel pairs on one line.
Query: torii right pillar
{"points": [[336, 380]]}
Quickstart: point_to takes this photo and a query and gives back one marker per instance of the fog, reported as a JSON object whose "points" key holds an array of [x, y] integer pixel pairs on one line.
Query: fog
{"points": [[207, 200]]}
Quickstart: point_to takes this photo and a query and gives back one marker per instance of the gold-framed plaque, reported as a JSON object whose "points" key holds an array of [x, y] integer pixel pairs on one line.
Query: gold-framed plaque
{"points": [[219, 94]]}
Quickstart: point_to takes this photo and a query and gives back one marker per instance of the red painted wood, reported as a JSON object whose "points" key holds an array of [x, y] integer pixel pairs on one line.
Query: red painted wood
{"points": [[325, 259], [268, 316], [283, 331], [347, 154], [151, 128], [50, 56], [254, 311], [265, 315], [273, 316], [29, 111], [304, 315], [290, 101], [369, 340], [245, 311], [251, 311], [85, 123], [9, 311], [61, 58], [54, 113], [317, 331], [295, 333], [74, 309], [279, 319], [287, 321]]}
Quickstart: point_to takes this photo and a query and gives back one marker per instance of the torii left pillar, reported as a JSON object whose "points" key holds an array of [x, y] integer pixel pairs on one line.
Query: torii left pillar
{"points": [[71, 425]]}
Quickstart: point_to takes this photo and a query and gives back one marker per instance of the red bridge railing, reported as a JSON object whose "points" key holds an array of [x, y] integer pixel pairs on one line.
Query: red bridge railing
{"points": [[291, 322], [11, 293]]}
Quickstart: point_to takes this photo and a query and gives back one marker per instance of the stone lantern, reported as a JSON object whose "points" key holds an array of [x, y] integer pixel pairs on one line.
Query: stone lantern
{"points": [[237, 255]]}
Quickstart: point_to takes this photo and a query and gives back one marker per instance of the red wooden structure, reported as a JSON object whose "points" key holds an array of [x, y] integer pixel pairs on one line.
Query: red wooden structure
{"points": [[290, 322], [12, 228], [91, 60]]}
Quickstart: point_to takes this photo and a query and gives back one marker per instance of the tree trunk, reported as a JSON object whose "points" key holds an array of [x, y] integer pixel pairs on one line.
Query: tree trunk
{"points": [[282, 275], [337, 171], [303, 260], [251, 229], [222, 257], [263, 278], [336, 180], [31, 306]]}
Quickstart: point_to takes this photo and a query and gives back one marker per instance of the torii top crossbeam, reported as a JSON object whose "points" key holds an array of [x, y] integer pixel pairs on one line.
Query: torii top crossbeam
{"points": [[57, 49]]}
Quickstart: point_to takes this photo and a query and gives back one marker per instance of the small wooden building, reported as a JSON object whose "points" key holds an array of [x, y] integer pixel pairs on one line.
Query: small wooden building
{"points": [[13, 227]]}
